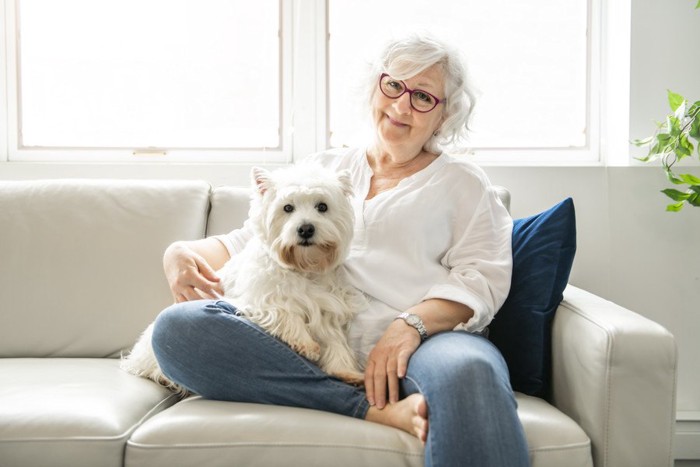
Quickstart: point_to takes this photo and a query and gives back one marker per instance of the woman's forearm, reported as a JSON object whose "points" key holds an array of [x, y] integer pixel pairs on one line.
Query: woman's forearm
{"points": [[211, 249], [441, 315]]}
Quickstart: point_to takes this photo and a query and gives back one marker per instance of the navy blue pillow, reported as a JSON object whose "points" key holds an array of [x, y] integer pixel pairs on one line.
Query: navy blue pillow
{"points": [[543, 252]]}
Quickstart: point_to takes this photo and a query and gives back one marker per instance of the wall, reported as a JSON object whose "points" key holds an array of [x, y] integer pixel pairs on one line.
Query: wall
{"points": [[666, 283]]}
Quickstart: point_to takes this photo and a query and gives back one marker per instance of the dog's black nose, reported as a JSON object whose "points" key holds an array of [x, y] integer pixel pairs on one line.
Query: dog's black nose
{"points": [[306, 231]]}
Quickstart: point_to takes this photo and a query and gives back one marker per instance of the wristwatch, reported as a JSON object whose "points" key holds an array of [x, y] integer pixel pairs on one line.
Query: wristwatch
{"points": [[415, 322]]}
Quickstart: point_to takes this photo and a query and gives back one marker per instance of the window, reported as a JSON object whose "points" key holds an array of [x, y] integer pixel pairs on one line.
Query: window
{"points": [[529, 62], [272, 81], [149, 74]]}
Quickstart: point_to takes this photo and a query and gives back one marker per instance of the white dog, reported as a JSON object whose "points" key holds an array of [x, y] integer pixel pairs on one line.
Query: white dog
{"points": [[287, 278]]}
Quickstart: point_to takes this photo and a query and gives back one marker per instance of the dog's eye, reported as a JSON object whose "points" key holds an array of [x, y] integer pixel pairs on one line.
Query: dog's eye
{"points": [[288, 208], [322, 207]]}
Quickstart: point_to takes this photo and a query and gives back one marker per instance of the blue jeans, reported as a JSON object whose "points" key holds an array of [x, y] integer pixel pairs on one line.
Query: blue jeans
{"points": [[207, 348]]}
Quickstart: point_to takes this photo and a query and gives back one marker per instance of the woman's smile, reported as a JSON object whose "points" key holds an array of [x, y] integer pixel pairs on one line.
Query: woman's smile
{"points": [[396, 122]]}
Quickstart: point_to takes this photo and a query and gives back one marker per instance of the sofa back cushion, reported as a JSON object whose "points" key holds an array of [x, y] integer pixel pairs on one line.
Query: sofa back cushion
{"points": [[229, 209], [81, 261]]}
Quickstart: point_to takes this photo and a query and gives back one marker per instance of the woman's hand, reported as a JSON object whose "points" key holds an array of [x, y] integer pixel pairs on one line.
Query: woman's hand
{"points": [[189, 274], [388, 361]]}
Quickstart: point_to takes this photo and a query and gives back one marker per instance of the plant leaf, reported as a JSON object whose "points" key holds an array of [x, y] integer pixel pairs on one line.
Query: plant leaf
{"points": [[694, 131], [674, 100], [675, 195], [694, 108], [674, 125], [643, 142], [694, 199], [664, 144], [684, 147], [680, 111], [673, 179], [674, 207], [663, 137], [689, 179], [649, 157], [698, 5]]}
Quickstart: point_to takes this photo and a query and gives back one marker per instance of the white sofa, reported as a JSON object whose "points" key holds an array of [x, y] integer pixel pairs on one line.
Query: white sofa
{"points": [[81, 277]]}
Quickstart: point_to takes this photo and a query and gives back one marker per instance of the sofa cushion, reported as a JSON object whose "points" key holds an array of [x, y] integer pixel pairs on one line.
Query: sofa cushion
{"points": [[204, 432], [82, 271], [71, 412], [543, 252], [553, 438], [229, 209]]}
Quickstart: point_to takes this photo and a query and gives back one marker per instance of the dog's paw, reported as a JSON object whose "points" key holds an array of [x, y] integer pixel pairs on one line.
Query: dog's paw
{"points": [[308, 349], [351, 377]]}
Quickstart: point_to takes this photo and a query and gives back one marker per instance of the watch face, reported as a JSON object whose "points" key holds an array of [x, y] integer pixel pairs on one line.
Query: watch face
{"points": [[413, 319]]}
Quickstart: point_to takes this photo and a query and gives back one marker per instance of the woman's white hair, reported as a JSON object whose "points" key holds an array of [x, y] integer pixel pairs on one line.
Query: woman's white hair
{"points": [[405, 58]]}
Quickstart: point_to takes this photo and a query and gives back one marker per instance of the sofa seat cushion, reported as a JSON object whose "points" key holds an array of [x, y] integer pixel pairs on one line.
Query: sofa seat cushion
{"points": [[554, 438], [213, 433], [71, 412]]}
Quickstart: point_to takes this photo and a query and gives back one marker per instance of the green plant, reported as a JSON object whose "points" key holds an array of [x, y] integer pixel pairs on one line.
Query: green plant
{"points": [[671, 143]]}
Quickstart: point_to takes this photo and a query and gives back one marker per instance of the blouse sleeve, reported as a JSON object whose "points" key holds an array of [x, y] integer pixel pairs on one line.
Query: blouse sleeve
{"points": [[236, 240], [479, 261]]}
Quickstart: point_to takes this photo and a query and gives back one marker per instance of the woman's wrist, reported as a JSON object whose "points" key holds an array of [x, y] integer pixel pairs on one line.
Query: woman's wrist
{"points": [[415, 322], [439, 315]]}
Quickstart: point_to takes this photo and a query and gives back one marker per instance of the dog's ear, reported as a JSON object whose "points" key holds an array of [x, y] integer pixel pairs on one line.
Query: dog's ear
{"points": [[261, 179], [345, 182]]}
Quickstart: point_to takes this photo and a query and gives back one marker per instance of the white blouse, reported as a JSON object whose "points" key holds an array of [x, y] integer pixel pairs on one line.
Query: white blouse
{"points": [[440, 233]]}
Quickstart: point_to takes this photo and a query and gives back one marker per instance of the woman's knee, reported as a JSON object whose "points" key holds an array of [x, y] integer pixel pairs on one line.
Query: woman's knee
{"points": [[175, 326], [182, 319], [170, 321], [459, 359]]}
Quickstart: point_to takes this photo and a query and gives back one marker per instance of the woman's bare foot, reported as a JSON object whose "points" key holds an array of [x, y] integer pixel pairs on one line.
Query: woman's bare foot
{"points": [[409, 414]]}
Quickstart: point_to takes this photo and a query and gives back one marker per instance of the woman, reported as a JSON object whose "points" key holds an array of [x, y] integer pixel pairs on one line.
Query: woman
{"points": [[431, 251]]}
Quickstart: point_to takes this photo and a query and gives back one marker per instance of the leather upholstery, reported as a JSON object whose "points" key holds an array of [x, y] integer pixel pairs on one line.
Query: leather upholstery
{"points": [[81, 260], [71, 412], [614, 371], [266, 435], [229, 209], [81, 276]]}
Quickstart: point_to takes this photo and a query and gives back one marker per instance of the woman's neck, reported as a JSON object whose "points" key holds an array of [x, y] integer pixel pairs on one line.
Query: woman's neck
{"points": [[388, 171], [397, 165]]}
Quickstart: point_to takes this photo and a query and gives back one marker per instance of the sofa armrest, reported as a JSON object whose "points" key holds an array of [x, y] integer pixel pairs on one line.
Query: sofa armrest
{"points": [[614, 372]]}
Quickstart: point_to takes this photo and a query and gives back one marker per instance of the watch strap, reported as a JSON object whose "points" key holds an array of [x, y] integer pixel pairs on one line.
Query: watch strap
{"points": [[415, 322]]}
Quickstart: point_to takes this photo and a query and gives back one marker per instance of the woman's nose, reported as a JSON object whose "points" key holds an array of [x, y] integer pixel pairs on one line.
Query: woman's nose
{"points": [[403, 103]]}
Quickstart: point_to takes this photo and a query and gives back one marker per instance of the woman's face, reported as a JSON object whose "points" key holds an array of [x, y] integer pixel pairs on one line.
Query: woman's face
{"points": [[400, 127]]}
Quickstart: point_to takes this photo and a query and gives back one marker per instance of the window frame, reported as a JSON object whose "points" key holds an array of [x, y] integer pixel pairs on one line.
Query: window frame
{"points": [[16, 152], [305, 105]]}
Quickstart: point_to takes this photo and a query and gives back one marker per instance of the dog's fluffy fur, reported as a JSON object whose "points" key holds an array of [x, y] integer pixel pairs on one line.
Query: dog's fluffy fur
{"points": [[287, 278]]}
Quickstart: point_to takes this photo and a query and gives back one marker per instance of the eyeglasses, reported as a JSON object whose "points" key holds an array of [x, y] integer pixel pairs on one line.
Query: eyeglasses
{"points": [[421, 101]]}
